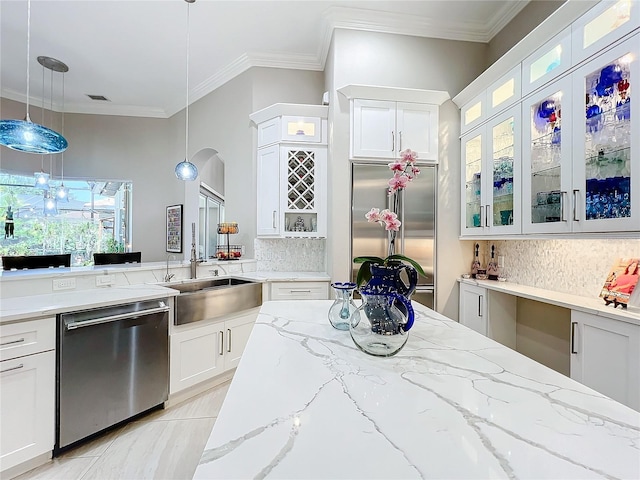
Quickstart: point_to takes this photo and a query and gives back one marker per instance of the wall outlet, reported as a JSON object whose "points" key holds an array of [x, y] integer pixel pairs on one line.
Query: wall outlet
{"points": [[105, 280], [501, 261], [64, 283]]}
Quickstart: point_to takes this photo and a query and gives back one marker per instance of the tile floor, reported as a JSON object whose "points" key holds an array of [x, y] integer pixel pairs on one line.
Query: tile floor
{"points": [[165, 444]]}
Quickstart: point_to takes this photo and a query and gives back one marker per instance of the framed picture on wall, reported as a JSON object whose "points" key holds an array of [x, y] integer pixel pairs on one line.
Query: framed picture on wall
{"points": [[174, 229]]}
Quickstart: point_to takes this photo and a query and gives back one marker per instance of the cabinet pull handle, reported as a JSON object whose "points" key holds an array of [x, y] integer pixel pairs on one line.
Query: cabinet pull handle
{"points": [[273, 220], [480, 306], [573, 337], [20, 340], [575, 205], [228, 340], [12, 368], [487, 214], [393, 141], [299, 291], [221, 342], [563, 194], [400, 141], [481, 213]]}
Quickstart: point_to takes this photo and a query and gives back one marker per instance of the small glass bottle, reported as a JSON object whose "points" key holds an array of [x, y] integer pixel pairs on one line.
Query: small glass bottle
{"points": [[343, 306]]}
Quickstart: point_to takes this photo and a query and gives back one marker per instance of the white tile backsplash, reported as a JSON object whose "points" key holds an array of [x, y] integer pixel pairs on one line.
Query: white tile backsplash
{"points": [[570, 266], [290, 254]]}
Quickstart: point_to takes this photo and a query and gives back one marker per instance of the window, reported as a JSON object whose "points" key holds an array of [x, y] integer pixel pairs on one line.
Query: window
{"points": [[211, 213], [96, 219]]}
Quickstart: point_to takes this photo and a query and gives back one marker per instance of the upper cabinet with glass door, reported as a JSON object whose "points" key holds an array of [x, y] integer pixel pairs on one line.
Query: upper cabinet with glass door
{"points": [[606, 151], [546, 159], [603, 25], [547, 63], [491, 190]]}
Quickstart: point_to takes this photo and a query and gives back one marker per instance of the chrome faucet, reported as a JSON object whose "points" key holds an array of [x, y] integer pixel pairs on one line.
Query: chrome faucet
{"points": [[168, 276], [194, 260]]}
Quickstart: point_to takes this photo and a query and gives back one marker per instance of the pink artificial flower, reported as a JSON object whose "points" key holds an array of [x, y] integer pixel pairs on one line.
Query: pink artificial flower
{"points": [[373, 215], [409, 155], [397, 182], [415, 171], [397, 167], [388, 216], [393, 224]]}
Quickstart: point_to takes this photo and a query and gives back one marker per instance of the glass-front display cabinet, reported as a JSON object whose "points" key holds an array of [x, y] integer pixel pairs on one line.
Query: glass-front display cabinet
{"points": [[546, 159], [491, 190], [606, 168]]}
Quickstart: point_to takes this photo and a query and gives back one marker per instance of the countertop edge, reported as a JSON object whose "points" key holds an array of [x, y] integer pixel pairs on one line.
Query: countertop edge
{"points": [[590, 305]]}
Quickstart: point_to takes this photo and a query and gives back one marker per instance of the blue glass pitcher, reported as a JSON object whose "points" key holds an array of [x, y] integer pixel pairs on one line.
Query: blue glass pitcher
{"points": [[389, 278], [379, 327]]}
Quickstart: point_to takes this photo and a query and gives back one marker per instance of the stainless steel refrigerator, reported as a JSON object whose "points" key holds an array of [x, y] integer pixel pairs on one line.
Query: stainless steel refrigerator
{"points": [[417, 212]]}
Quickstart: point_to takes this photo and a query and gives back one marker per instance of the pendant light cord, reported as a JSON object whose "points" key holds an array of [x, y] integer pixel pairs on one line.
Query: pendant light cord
{"points": [[186, 133], [28, 51], [62, 154]]}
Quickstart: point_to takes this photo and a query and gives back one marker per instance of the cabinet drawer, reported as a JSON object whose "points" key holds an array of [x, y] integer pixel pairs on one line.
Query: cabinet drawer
{"points": [[299, 290], [26, 338]]}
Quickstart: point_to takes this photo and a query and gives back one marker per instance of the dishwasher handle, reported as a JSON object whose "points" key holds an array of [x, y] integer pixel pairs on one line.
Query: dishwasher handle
{"points": [[115, 318]]}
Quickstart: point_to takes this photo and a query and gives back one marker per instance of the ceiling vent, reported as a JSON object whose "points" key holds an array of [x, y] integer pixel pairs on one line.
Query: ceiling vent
{"points": [[100, 98]]}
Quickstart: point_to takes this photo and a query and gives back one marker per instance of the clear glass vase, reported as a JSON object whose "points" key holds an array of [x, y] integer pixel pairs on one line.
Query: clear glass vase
{"points": [[343, 306]]}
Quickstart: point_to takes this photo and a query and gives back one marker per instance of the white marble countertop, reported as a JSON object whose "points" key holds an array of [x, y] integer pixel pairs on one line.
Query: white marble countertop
{"points": [[34, 306], [594, 306], [288, 276], [306, 403]]}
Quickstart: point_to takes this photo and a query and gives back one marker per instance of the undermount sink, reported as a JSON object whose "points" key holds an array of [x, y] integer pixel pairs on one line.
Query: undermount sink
{"points": [[215, 297], [209, 283]]}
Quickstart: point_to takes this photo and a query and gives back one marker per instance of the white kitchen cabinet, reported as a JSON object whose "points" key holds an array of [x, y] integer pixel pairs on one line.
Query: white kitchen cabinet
{"points": [[473, 113], [204, 350], [268, 193], [292, 191], [291, 171], [298, 290], [547, 63], [491, 191], [606, 145], [546, 159], [27, 391], [382, 129], [605, 23], [605, 355], [504, 92], [473, 308]]}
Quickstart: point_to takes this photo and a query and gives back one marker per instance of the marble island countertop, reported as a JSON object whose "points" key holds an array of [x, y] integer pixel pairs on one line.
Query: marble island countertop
{"points": [[306, 403]]}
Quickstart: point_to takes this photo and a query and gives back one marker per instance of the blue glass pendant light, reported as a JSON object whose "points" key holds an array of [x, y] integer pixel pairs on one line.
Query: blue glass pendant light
{"points": [[186, 170], [24, 135]]}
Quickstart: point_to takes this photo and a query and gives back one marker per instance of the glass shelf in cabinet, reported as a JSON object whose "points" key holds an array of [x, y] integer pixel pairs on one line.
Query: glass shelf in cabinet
{"points": [[504, 152], [551, 171]]}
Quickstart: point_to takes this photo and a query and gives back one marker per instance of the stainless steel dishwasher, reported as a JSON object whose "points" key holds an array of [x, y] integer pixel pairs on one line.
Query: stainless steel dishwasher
{"points": [[112, 364]]}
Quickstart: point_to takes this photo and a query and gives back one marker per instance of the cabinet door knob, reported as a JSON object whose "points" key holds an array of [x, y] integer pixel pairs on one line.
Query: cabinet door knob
{"points": [[228, 340], [573, 338], [575, 205], [221, 342], [393, 142], [480, 306], [273, 219], [563, 197], [400, 141]]}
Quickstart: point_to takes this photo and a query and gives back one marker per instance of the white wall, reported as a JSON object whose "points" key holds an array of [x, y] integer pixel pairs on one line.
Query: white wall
{"points": [[409, 62]]}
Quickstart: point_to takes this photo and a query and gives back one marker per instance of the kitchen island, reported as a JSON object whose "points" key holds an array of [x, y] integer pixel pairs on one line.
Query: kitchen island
{"points": [[306, 403]]}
